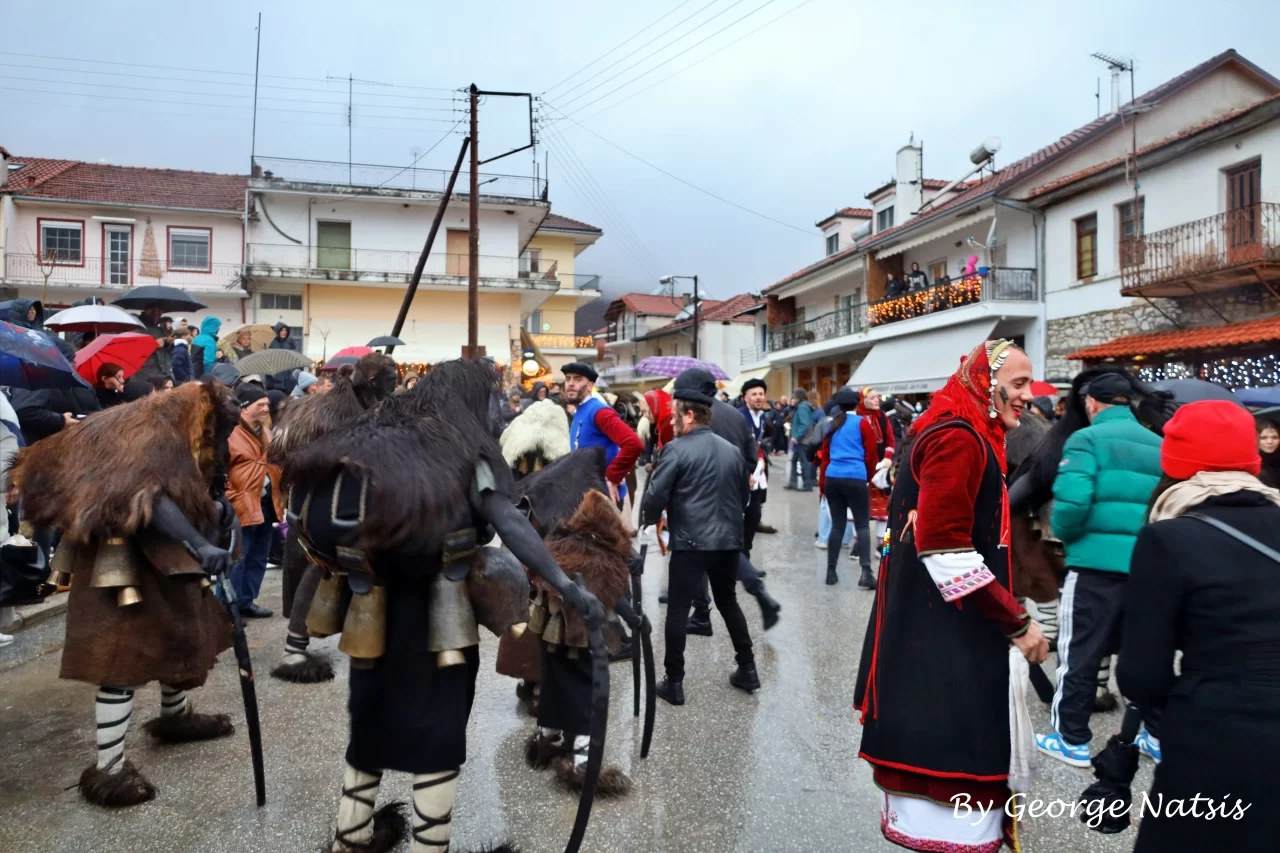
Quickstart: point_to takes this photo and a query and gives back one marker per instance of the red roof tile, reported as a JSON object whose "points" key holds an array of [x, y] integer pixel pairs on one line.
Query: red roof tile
{"points": [[1179, 340], [715, 311], [852, 212], [645, 303], [33, 171], [556, 222], [131, 185], [1186, 133]]}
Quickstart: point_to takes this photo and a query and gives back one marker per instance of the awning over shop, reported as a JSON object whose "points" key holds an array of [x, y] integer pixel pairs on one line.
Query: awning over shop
{"points": [[734, 385], [918, 364], [1185, 340]]}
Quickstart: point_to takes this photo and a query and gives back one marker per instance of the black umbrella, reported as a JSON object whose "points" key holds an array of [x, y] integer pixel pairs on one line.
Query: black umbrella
{"points": [[1194, 390], [386, 341], [159, 296]]}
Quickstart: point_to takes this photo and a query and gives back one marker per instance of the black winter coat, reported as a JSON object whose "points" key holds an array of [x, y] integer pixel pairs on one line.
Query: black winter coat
{"points": [[728, 423], [1194, 588], [699, 481], [40, 413]]}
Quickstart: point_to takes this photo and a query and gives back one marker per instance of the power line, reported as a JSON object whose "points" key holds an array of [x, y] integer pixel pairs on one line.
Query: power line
{"points": [[206, 104], [172, 79], [805, 231], [687, 67], [592, 193], [611, 50], [643, 46], [415, 162], [199, 70], [288, 100], [663, 62]]}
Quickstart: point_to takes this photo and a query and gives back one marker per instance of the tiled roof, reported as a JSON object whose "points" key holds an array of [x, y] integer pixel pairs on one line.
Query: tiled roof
{"points": [[1186, 133], [1020, 169], [556, 222], [645, 303], [855, 212], [714, 311], [34, 171], [1179, 340], [132, 185]]}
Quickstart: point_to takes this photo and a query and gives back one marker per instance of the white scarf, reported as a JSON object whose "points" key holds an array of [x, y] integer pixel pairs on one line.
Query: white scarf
{"points": [[1022, 745], [1185, 495]]}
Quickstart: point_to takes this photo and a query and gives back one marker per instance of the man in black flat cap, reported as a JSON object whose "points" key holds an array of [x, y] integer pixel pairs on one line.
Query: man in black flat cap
{"points": [[693, 482], [755, 410]]}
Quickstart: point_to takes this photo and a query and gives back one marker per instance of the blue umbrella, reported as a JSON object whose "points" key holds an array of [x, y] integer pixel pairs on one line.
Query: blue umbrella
{"points": [[29, 359], [1259, 397]]}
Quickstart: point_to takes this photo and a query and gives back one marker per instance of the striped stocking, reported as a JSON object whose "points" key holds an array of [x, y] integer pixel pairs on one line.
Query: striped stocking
{"points": [[433, 796], [355, 811], [581, 743], [112, 709], [1049, 619], [1104, 676], [295, 648], [173, 702]]}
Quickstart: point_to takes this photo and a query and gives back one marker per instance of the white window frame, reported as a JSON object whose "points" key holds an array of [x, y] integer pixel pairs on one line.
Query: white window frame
{"points": [[206, 233], [62, 225]]}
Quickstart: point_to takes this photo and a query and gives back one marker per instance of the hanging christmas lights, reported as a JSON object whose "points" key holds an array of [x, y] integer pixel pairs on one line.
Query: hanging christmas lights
{"points": [[1240, 371], [962, 291]]}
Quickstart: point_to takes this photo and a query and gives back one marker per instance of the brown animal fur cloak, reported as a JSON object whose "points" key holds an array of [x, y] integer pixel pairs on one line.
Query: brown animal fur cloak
{"points": [[100, 479]]}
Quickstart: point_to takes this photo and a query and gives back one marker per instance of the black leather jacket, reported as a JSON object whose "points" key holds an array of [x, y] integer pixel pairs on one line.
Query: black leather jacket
{"points": [[699, 481]]}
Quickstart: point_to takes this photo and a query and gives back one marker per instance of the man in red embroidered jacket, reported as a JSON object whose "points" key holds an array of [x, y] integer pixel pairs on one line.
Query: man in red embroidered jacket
{"points": [[933, 687], [596, 424]]}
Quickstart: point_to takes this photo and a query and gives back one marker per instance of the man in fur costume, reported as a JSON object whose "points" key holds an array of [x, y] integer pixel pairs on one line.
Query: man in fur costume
{"points": [[141, 608], [596, 543], [394, 507], [535, 438], [356, 389]]}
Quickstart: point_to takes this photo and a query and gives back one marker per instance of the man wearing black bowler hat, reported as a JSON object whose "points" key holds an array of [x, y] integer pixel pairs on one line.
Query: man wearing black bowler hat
{"points": [[596, 424]]}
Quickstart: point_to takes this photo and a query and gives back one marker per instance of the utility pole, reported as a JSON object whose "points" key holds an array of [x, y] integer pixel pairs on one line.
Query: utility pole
{"points": [[257, 58], [695, 316], [473, 348]]}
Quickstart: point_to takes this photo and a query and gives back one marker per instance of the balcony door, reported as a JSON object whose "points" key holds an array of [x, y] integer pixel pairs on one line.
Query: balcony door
{"points": [[458, 253], [1244, 213], [333, 242], [118, 254]]}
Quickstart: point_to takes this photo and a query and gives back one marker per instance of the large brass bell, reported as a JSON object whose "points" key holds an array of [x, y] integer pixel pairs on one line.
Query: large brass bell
{"points": [[364, 630], [452, 624], [114, 568], [324, 618]]}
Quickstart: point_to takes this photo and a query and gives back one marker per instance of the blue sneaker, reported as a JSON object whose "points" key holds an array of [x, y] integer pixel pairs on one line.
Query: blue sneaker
{"points": [[1054, 745], [1148, 745]]}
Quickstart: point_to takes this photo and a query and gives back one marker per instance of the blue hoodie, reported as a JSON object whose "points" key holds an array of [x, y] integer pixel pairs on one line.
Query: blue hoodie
{"points": [[208, 339]]}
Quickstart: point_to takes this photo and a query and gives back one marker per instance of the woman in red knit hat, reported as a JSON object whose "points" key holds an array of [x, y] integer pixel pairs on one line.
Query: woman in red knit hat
{"points": [[1205, 579]]}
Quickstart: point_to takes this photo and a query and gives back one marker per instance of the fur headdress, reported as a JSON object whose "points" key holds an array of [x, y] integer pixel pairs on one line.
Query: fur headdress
{"points": [[356, 389], [595, 543], [542, 429], [102, 476]]}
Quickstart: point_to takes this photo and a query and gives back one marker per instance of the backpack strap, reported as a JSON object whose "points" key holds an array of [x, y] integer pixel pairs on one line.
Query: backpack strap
{"points": [[1244, 539]]}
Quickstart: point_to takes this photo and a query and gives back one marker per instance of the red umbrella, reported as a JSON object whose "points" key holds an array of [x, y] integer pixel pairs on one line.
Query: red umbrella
{"points": [[355, 351], [1043, 389], [130, 350]]}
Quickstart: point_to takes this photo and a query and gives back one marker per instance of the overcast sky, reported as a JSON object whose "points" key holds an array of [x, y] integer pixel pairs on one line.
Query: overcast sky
{"points": [[793, 121]]}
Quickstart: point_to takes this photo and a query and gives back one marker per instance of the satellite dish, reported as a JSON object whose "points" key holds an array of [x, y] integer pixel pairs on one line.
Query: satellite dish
{"points": [[985, 151]]}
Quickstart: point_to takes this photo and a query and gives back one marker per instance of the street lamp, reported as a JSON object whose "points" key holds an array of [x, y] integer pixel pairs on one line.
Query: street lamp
{"points": [[670, 279]]}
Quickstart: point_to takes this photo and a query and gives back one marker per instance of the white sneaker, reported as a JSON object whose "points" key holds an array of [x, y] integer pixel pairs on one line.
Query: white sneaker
{"points": [[6, 639], [820, 543]]}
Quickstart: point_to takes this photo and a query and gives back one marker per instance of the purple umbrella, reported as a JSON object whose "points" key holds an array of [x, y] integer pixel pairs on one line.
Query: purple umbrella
{"points": [[673, 365]]}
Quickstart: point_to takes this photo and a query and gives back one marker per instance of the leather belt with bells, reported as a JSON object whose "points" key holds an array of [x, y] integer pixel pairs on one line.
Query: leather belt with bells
{"points": [[352, 562]]}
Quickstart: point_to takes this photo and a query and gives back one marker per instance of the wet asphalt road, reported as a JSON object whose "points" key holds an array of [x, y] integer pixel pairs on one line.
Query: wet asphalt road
{"points": [[728, 773]]}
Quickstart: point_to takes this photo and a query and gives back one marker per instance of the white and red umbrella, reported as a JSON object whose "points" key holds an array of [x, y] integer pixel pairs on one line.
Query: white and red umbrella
{"points": [[99, 319]]}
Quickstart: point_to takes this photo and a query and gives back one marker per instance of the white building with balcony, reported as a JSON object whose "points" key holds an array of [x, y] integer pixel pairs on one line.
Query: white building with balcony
{"points": [[71, 230], [332, 248]]}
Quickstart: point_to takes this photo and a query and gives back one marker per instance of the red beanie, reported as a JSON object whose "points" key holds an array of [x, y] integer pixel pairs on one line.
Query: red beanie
{"points": [[1211, 435]]}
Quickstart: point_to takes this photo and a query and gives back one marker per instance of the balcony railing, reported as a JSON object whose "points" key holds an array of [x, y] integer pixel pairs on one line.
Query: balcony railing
{"points": [[626, 332], [95, 273], [342, 264], [365, 176], [1005, 284], [1217, 251], [751, 355], [564, 341]]}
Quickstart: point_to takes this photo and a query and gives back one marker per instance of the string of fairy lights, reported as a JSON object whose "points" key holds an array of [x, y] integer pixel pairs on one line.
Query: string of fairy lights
{"points": [[1240, 371], [962, 291]]}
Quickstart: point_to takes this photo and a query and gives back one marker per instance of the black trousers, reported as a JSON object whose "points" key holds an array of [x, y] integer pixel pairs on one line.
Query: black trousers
{"points": [[1091, 619], [845, 494], [747, 576], [687, 570], [752, 519]]}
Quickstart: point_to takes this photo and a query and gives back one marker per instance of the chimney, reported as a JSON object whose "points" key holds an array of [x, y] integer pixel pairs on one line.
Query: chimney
{"points": [[1115, 89], [4, 167], [909, 182]]}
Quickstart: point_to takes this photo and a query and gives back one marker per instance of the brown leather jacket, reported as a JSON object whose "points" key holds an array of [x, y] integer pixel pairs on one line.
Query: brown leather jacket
{"points": [[249, 469]]}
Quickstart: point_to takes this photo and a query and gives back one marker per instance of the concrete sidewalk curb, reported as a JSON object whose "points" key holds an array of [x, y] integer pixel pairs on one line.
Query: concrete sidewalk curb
{"points": [[33, 614]]}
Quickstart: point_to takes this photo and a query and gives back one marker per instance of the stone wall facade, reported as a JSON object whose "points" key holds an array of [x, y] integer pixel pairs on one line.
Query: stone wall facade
{"points": [[1071, 334]]}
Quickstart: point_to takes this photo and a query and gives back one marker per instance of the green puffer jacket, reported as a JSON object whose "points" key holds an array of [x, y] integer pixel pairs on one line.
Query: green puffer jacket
{"points": [[1105, 480]]}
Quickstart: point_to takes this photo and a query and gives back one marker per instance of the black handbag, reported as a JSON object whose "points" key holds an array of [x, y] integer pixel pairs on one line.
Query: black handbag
{"points": [[24, 573]]}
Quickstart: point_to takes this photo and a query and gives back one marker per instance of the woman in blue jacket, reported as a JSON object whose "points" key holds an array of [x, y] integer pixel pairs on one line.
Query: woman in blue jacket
{"points": [[847, 458]]}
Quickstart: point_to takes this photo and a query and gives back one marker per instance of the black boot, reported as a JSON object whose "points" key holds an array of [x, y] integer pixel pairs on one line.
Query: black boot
{"points": [[867, 580], [744, 678], [769, 609], [699, 623], [831, 577], [671, 692], [623, 652]]}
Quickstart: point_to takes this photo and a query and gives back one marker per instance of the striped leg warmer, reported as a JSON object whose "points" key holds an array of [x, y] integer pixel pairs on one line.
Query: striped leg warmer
{"points": [[112, 709], [173, 702], [433, 796], [355, 811]]}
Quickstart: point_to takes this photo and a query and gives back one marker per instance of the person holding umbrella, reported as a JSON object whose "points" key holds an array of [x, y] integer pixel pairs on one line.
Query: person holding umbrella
{"points": [[238, 347], [282, 340], [204, 349]]}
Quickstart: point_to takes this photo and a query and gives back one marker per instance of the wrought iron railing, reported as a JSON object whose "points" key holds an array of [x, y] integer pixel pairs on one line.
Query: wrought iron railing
{"points": [[312, 261], [1216, 243], [551, 341], [117, 275], [366, 176], [1004, 284]]}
